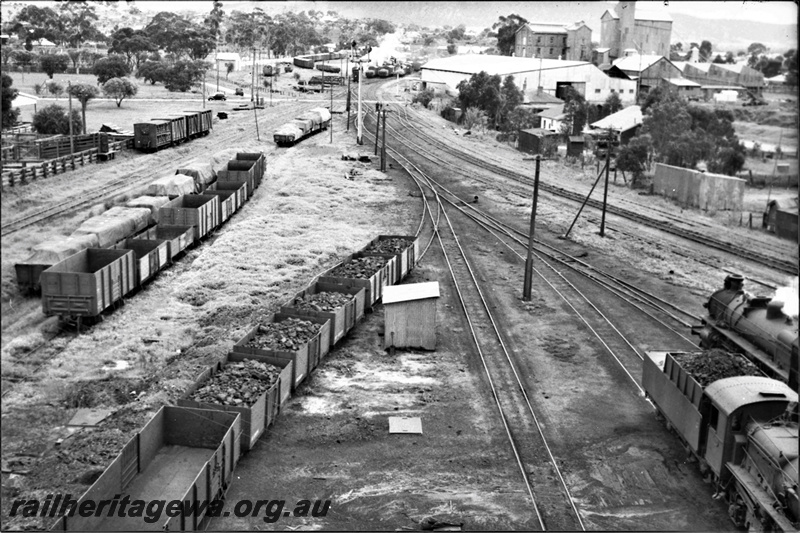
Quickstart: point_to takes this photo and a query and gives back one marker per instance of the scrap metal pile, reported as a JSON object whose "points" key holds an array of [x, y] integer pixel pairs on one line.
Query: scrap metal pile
{"points": [[238, 384], [322, 301], [286, 335], [362, 268], [712, 365]]}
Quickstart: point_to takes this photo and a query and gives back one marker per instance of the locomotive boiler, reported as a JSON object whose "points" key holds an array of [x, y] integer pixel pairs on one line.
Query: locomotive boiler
{"points": [[755, 327]]}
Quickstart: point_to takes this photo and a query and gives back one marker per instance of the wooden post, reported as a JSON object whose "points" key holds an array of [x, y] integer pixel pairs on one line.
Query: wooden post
{"points": [[528, 281], [605, 191]]}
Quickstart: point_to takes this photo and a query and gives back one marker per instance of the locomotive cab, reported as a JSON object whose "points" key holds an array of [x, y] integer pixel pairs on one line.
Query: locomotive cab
{"points": [[748, 446]]}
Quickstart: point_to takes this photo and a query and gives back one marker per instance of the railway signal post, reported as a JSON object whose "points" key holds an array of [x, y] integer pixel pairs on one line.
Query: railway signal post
{"points": [[378, 107], [605, 190], [526, 286]]}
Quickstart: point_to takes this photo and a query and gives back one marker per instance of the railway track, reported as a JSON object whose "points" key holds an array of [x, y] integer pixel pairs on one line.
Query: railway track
{"points": [[137, 178], [668, 225]]}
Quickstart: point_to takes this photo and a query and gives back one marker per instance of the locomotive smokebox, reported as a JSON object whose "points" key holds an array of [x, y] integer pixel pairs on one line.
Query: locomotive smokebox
{"points": [[775, 310]]}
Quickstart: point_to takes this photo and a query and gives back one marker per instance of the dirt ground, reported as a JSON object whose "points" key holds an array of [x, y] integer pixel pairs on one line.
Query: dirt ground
{"points": [[332, 441]]}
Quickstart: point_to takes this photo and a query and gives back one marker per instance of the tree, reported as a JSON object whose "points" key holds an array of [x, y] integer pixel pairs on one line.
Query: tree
{"points": [[182, 75], [632, 158], [612, 104], [481, 91], [511, 97], [228, 69], [214, 19], [75, 56], [83, 92], [718, 59], [10, 114], [119, 89], [53, 120], [24, 58], [32, 23], [79, 23], [153, 71], [452, 48], [729, 58], [111, 67], [790, 64], [575, 111], [133, 44], [706, 49], [507, 28], [52, 63], [756, 48]]}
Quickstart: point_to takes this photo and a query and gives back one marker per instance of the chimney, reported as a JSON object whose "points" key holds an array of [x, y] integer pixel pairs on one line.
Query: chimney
{"points": [[734, 282]]}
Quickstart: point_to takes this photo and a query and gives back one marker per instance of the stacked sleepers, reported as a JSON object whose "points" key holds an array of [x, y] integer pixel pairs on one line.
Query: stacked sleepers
{"points": [[88, 282], [198, 210], [182, 454], [243, 385], [304, 341]]}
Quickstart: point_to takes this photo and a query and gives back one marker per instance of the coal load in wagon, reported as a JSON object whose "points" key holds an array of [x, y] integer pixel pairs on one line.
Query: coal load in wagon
{"points": [[388, 246], [713, 365], [359, 268], [287, 335], [115, 225], [175, 185], [238, 384], [322, 301]]}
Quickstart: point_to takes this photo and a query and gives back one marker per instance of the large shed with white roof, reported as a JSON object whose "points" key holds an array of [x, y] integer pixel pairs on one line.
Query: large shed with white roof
{"points": [[552, 75]]}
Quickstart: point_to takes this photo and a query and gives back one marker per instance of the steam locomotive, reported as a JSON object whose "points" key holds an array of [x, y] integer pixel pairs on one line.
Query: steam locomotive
{"points": [[755, 327]]}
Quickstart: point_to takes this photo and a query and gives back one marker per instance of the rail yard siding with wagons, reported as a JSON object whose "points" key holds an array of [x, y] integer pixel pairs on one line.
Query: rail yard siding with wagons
{"points": [[305, 125], [171, 130], [234, 401]]}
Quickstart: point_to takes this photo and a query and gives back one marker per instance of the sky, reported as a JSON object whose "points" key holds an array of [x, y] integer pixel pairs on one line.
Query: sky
{"points": [[770, 11]]}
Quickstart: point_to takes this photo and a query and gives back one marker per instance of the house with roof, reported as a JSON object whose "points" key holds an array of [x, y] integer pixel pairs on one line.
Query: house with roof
{"points": [[648, 71], [628, 25], [625, 124], [553, 119], [572, 42], [554, 77]]}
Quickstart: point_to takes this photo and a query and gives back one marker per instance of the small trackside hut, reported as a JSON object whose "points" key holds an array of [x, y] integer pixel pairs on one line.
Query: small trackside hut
{"points": [[410, 315]]}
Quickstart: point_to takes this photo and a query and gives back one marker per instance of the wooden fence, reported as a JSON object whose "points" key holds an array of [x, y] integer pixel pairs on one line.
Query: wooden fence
{"points": [[20, 172]]}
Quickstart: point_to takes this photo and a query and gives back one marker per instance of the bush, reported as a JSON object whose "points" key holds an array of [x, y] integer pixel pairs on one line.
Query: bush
{"points": [[423, 97], [53, 120], [37, 88], [55, 88]]}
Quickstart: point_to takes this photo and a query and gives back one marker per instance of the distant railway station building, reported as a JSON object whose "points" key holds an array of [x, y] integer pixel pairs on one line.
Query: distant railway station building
{"points": [[552, 75]]}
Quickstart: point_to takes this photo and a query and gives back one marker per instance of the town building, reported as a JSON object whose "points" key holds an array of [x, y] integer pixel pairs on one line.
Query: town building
{"points": [[736, 75], [628, 25], [572, 42], [553, 76], [625, 124], [648, 71]]}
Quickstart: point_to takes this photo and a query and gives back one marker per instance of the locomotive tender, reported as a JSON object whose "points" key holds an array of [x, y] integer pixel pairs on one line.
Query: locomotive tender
{"points": [[743, 432], [755, 327]]}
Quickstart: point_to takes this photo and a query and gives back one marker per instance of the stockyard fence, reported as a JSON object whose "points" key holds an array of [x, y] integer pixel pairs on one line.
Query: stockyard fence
{"points": [[29, 156]]}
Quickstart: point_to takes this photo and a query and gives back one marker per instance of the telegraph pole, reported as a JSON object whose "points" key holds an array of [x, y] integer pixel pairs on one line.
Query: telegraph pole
{"points": [[71, 138], [383, 149], [216, 60], [359, 140], [378, 127], [323, 88], [253, 79], [528, 282], [605, 191]]}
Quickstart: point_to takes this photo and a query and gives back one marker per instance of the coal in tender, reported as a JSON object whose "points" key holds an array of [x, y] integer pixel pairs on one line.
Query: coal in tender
{"points": [[322, 301], [393, 245], [712, 365], [359, 268], [238, 383], [288, 335]]}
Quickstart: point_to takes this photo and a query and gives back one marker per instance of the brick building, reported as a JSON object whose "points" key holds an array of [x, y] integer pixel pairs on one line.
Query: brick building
{"points": [[572, 42]]}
